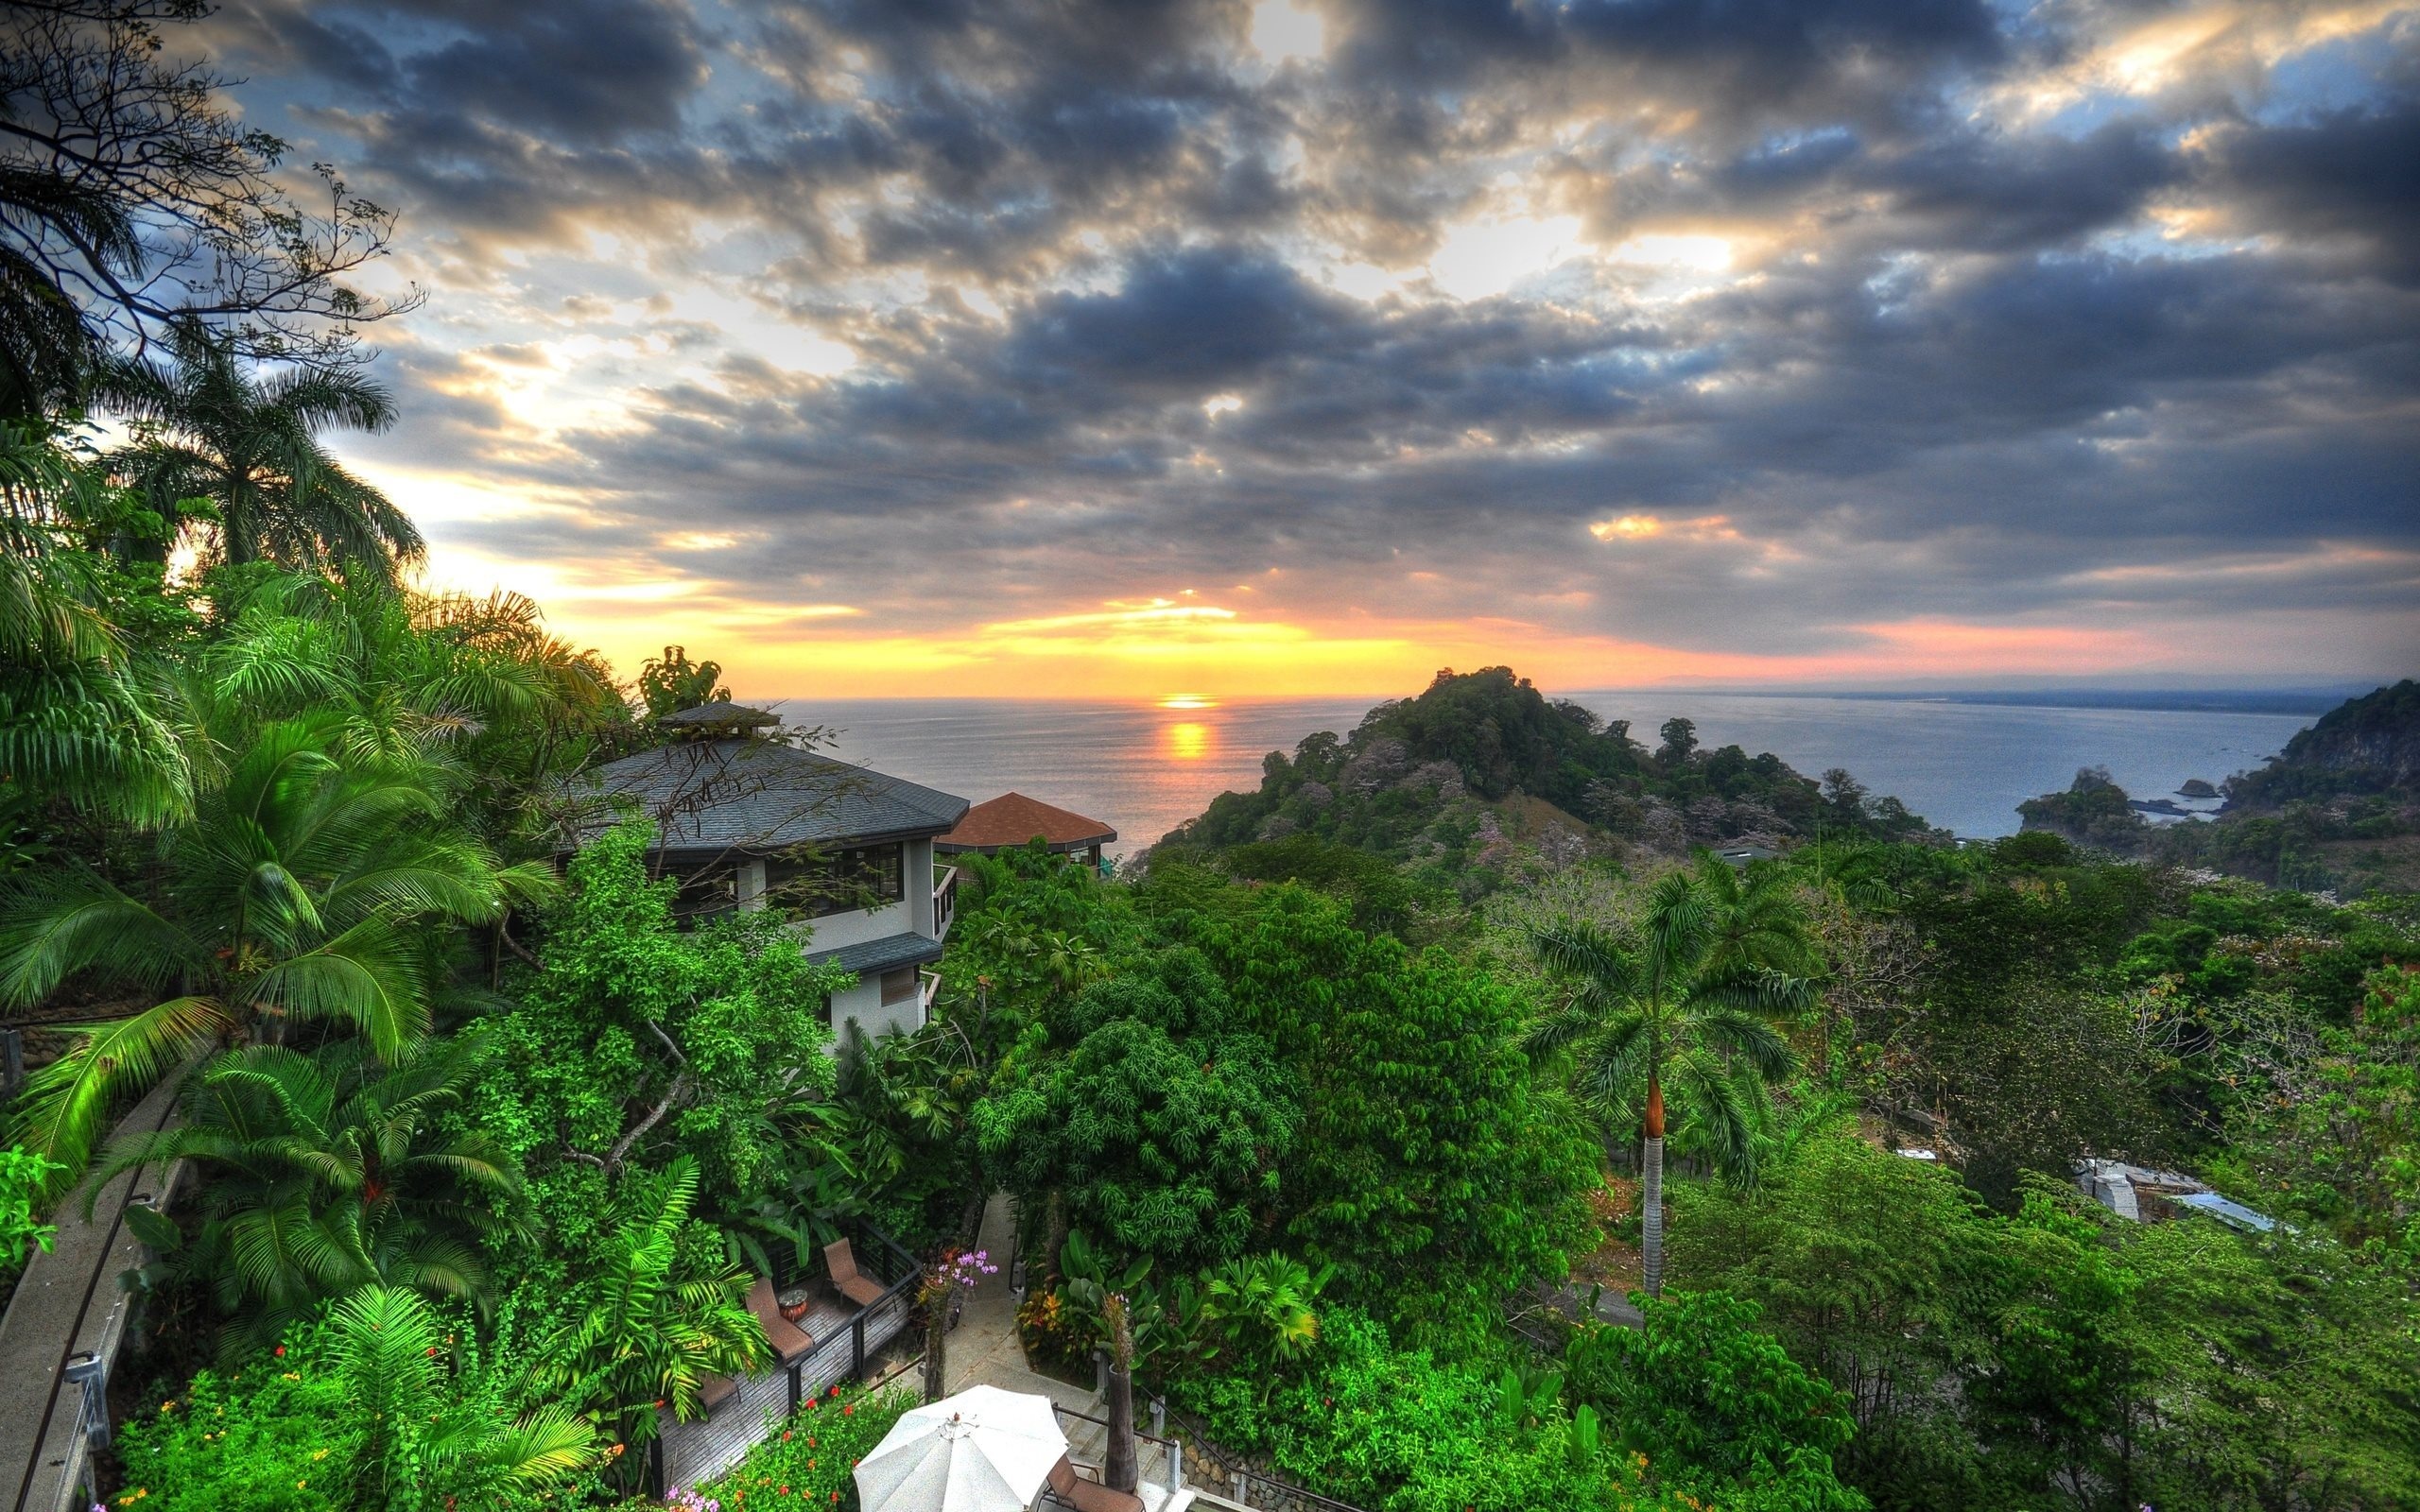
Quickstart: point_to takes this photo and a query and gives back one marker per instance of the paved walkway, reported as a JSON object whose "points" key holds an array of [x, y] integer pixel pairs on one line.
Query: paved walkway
{"points": [[984, 1348], [67, 1303]]}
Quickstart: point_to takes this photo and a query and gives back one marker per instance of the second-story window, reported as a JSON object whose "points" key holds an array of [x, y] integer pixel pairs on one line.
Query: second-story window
{"points": [[838, 882]]}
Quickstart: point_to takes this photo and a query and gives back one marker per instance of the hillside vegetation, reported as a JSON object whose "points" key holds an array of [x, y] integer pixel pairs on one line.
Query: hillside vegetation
{"points": [[2339, 808], [1482, 772]]}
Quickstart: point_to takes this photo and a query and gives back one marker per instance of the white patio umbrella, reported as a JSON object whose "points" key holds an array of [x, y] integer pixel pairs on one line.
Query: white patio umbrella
{"points": [[983, 1449]]}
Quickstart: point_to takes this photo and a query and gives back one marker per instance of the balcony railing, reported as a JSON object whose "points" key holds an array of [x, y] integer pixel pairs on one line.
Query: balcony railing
{"points": [[928, 987], [944, 902]]}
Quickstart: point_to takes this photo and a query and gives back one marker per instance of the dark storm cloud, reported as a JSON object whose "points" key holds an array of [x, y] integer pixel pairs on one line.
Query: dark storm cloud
{"points": [[2351, 173], [1972, 355]]}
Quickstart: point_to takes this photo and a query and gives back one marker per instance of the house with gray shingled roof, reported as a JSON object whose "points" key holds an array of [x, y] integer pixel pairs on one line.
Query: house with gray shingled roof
{"points": [[748, 820]]}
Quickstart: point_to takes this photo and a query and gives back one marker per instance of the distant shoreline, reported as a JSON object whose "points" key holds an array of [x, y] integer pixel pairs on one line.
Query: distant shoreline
{"points": [[2295, 701]]}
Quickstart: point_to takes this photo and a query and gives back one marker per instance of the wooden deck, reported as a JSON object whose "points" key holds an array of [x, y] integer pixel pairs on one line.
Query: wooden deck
{"points": [[848, 1342]]}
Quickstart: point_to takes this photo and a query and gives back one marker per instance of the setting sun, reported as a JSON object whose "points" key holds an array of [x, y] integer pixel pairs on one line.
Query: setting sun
{"points": [[1187, 700]]}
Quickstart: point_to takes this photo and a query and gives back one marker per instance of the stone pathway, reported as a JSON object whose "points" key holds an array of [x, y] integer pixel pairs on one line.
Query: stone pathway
{"points": [[984, 1348]]}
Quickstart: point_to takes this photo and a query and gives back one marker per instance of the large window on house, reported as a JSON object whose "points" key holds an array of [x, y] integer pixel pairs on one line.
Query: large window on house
{"points": [[705, 891], [837, 882]]}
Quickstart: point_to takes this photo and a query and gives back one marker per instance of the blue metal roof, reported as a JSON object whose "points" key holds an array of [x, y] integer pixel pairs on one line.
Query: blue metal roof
{"points": [[2226, 1212]]}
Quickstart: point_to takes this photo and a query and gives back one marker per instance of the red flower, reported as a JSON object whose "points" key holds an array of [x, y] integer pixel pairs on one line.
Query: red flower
{"points": [[785, 1435], [432, 1351], [280, 1351], [846, 1411]]}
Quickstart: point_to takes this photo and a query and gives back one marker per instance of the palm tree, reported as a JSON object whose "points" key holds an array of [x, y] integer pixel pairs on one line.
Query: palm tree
{"points": [[475, 686], [77, 721], [417, 1430], [1689, 999], [299, 891], [649, 1329], [328, 1171], [209, 427]]}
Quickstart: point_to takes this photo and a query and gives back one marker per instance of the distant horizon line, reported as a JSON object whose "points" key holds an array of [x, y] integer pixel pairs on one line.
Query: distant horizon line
{"points": [[2282, 699]]}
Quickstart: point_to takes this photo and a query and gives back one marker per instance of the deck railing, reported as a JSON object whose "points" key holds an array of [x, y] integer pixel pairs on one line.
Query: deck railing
{"points": [[1168, 1447], [944, 902]]}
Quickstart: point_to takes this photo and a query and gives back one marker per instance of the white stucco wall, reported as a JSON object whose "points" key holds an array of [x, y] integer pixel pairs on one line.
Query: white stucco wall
{"points": [[858, 925], [918, 869], [863, 1003]]}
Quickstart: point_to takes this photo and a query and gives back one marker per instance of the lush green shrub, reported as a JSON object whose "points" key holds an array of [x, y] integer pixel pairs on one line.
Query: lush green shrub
{"points": [[270, 1436], [298, 1428], [1394, 1430], [808, 1461], [1718, 1408], [23, 1176]]}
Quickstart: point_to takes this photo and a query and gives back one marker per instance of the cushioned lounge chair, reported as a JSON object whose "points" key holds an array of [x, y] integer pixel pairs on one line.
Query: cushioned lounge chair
{"points": [[788, 1340], [854, 1285], [1069, 1489]]}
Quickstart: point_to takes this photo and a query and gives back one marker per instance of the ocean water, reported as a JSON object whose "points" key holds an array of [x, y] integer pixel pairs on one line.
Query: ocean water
{"points": [[1964, 766]]}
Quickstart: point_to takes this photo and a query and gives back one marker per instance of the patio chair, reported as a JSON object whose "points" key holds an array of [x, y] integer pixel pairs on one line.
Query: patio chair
{"points": [[1069, 1489], [716, 1390], [854, 1284], [788, 1340]]}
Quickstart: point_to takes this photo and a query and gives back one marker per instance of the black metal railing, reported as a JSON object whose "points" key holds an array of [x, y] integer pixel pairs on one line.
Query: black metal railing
{"points": [[1243, 1481], [1173, 1450]]}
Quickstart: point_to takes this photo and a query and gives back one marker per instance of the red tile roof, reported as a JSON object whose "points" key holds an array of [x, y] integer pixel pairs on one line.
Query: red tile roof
{"points": [[1012, 818]]}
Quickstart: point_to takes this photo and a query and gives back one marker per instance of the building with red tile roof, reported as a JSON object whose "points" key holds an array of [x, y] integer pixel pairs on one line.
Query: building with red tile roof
{"points": [[1014, 820]]}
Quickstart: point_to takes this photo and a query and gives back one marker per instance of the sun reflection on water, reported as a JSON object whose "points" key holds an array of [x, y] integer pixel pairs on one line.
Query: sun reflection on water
{"points": [[1187, 742]]}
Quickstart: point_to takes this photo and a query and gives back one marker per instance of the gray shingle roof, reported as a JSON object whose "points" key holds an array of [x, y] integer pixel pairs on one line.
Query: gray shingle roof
{"points": [[722, 711], [881, 954], [759, 795]]}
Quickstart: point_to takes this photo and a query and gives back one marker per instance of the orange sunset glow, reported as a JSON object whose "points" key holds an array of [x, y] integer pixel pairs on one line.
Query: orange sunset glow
{"points": [[1942, 351]]}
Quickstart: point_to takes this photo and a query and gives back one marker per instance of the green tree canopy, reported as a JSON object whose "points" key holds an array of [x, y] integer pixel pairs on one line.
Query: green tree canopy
{"points": [[1160, 1146], [1428, 1170]]}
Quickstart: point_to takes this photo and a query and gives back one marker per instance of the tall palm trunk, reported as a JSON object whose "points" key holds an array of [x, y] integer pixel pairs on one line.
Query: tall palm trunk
{"points": [[1121, 1466], [1650, 1215]]}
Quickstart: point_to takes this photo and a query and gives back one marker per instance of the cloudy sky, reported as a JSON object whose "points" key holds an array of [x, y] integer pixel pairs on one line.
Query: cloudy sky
{"points": [[1038, 347]]}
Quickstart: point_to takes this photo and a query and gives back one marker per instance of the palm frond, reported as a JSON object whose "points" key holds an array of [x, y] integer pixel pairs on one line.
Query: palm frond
{"points": [[1722, 1109], [544, 1444], [366, 976], [56, 924], [1613, 1064], [1747, 1037], [67, 1104]]}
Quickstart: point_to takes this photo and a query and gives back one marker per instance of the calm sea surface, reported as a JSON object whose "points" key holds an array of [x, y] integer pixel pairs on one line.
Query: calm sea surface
{"points": [[1147, 769]]}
